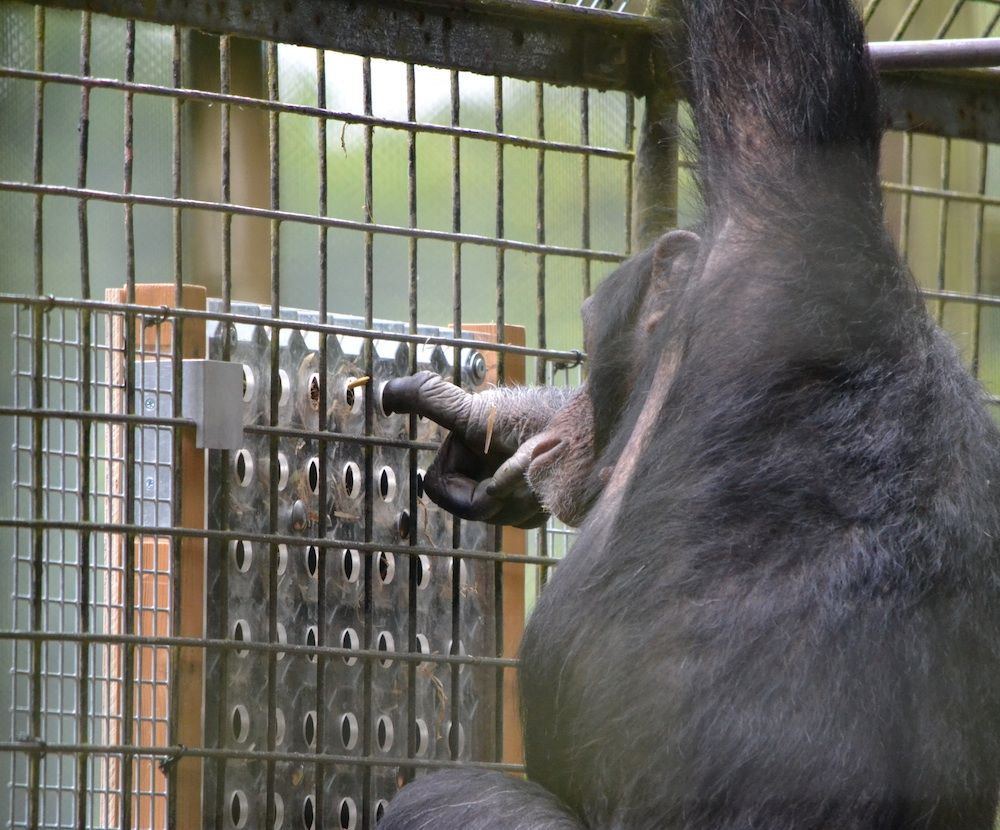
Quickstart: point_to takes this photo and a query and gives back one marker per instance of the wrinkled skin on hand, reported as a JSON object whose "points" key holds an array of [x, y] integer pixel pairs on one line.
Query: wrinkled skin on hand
{"points": [[538, 448]]}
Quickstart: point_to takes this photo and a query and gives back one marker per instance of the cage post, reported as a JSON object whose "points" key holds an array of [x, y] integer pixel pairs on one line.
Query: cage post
{"points": [[154, 605], [511, 609], [656, 159]]}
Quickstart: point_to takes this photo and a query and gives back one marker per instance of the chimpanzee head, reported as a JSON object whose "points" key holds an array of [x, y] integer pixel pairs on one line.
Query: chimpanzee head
{"points": [[629, 331]]}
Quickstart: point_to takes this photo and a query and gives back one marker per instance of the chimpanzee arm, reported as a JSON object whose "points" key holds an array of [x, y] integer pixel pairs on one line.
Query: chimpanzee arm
{"points": [[479, 471]]}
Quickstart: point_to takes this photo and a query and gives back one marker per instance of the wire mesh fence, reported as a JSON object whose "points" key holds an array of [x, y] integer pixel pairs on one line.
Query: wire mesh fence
{"points": [[204, 639]]}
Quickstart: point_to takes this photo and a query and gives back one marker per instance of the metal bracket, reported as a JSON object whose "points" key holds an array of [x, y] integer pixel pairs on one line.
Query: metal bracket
{"points": [[213, 399]]}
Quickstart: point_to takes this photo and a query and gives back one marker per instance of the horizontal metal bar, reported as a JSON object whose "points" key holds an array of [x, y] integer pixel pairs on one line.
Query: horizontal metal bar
{"points": [[347, 117], [939, 193], [956, 104], [166, 312], [305, 219], [561, 44], [955, 297], [168, 422], [257, 646], [536, 41], [31, 746], [956, 53], [275, 538]]}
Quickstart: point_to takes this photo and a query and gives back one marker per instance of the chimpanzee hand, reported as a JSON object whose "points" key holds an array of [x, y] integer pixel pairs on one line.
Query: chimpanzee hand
{"points": [[478, 472]]}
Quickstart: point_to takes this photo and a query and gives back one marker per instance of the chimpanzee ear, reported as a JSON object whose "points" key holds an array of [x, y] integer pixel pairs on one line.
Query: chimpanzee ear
{"points": [[674, 253], [675, 250]]}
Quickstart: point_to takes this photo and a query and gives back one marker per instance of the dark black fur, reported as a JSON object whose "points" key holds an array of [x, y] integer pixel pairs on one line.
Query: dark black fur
{"points": [[792, 621]]}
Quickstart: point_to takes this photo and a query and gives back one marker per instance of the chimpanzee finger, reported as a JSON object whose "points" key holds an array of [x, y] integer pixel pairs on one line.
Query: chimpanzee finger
{"points": [[428, 394], [469, 499], [509, 477]]}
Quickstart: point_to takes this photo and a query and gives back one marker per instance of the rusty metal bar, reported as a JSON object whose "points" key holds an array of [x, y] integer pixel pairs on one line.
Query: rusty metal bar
{"points": [[564, 44]]}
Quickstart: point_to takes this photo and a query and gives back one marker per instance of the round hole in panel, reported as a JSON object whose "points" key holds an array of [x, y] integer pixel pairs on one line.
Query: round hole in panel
{"points": [[403, 524], [350, 563], [423, 737], [239, 808], [420, 483], [282, 638], [242, 553], [241, 633], [380, 809], [351, 476], [384, 733], [387, 644], [311, 640], [423, 646], [312, 560], [379, 404], [354, 397], [279, 727], [282, 471], [456, 739], [309, 729], [348, 814], [282, 559], [423, 564], [240, 722], [279, 812], [349, 730], [314, 390], [243, 463], [249, 383], [386, 567], [313, 473], [308, 813], [387, 484], [284, 387], [349, 639]]}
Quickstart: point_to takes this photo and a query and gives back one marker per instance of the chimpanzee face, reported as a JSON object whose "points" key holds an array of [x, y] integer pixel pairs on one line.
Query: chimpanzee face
{"points": [[620, 324]]}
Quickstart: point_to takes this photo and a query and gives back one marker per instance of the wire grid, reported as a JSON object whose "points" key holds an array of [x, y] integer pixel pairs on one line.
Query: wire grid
{"points": [[83, 753]]}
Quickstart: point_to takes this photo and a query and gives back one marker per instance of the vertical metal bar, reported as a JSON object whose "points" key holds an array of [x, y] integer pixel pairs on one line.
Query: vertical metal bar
{"points": [[905, 20], [629, 171], [86, 403], [656, 169], [369, 458], [943, 223], [321, 426], [977, 257], [272, 590], [412, 561], [540, 364], [905, 201], [177, 481], [225, 196], [128, 663], [456, 306], [949, 19], [498, 586], [225, 161], [585, 186], [988, 31], [37, 438]]}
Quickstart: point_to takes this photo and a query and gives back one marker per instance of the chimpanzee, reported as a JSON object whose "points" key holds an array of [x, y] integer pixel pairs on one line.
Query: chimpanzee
{"points": [[782, 611]]}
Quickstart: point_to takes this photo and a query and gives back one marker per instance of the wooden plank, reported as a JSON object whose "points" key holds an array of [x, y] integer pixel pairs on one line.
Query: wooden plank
{"points": [[514, 541], [153, 613]]}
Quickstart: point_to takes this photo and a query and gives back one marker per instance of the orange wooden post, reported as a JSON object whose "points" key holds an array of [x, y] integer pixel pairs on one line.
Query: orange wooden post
{"points": [[514, 541], [153, 613]]}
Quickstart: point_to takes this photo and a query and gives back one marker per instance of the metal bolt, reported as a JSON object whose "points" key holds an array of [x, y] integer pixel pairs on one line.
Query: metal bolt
{"points": [[149, 483], [149, 404]]}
